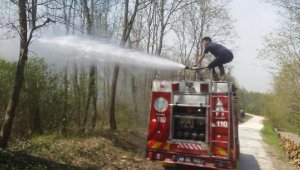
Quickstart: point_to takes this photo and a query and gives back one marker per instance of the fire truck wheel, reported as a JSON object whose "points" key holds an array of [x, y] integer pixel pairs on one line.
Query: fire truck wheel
{"points": [[170, 167]]}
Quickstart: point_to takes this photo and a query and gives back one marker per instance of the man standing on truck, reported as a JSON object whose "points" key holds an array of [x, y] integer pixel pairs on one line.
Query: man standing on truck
{"points": [[222, 54]]}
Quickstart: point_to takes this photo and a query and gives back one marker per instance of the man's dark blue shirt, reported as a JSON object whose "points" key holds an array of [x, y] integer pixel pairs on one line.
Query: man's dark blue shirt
{"points": [[217, 50]]}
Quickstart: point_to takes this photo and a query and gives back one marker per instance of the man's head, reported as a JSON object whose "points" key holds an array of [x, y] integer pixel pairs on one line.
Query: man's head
{"points": [[205, 41]]}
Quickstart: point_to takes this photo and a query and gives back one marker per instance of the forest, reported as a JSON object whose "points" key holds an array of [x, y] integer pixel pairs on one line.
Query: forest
{"points": [[77, 98]]}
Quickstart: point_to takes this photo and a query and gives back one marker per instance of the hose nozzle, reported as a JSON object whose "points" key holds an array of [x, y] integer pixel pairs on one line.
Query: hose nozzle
{"points": [[191, 67], [194, 68], [187, 67]]}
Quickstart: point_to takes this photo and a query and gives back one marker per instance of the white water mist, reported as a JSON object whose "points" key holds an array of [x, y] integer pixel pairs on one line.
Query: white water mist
{"points": [[72, 48]]}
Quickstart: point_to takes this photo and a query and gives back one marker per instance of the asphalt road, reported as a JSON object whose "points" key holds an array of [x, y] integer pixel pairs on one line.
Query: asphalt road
{"points": [[253, 153]]}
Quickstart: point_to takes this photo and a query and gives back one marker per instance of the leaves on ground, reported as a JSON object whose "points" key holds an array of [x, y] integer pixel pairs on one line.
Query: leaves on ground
{"points": [[108, 151]]}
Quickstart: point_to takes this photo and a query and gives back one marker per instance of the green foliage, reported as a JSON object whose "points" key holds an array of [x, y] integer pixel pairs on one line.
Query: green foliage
{"points": [[7, 72], [250, 102], [125, 117], [277, 115], [43, 101], [270, 137], [276, 106], [282, 48]]}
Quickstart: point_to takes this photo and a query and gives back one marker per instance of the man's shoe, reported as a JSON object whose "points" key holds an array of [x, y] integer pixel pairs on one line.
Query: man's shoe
{"points": [[222, 78], [215, 77]]}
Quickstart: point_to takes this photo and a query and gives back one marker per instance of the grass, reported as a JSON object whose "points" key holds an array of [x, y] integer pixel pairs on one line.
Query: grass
{"points": [[271, 137]]}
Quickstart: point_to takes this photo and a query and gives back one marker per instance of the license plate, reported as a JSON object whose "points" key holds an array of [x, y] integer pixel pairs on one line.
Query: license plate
{"points": [[188, 159]]}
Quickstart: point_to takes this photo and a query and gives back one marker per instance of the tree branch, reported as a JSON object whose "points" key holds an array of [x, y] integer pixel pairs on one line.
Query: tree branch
{"points": [[37, 27]]}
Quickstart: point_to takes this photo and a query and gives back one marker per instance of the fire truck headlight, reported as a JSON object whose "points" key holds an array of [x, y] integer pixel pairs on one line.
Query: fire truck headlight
{"points": [[160, 104]]}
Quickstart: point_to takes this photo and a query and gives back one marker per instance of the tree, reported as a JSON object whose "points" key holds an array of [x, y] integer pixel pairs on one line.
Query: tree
{"points": [[19, 77], [92, 94], [282, 48], [199, 19], [127, 27], [165, 14], [67, 13]]}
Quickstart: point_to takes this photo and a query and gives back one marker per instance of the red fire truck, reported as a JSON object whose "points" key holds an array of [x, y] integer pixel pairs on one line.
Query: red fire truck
{"points": [[193, 123]]}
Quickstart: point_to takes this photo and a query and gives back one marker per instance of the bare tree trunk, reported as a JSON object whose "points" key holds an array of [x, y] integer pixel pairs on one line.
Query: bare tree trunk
{"points": [[112, 117], [77, 95], [64, 117], [86, 110], [19, 77], [33, 13], [83, 96], [36, 122], [65, 16], [134, 97], [88, 16], [67, 10], [150, 22], [162, 27], [95, 113], [92, 94], [106, 88], [127, 27], [73, 17]]}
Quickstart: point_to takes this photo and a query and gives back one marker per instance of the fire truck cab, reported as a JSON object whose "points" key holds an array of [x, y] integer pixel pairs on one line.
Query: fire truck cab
{"points": [[193, 123]]}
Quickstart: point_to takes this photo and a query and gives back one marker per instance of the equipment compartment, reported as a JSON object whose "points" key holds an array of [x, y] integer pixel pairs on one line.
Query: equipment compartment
{"points": [[189, 128]]}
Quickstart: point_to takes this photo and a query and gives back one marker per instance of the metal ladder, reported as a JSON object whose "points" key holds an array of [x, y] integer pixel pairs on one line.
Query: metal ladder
{"points": [[212, 117]]}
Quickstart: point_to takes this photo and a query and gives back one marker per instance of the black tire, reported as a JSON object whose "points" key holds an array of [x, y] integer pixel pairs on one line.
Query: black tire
{"points": [[169, 167], [182, 167]]}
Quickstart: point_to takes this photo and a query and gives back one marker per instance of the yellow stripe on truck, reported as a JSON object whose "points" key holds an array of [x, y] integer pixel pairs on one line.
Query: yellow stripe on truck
{"points": [[156, 145], [221, 151], [167, 147]]}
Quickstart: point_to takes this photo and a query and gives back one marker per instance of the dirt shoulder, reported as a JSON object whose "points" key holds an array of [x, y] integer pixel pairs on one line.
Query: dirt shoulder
{"points": [[108, 151], [279, 161]]}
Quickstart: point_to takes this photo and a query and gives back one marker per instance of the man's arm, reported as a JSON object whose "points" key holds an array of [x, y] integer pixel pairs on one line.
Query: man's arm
{"points": [[199, 61]]}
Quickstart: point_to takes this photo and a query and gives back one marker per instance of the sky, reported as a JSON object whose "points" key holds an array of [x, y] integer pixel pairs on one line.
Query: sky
{"points": [[254, 19]]}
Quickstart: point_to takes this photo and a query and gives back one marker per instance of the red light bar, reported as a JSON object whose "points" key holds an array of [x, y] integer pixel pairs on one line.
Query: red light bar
{"points": [[175, 87], [204, 87]]}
